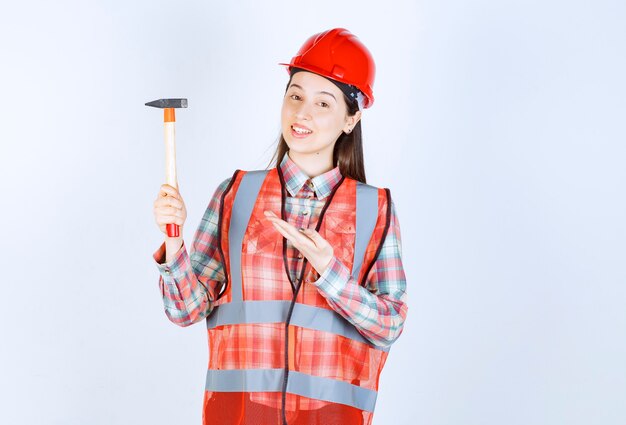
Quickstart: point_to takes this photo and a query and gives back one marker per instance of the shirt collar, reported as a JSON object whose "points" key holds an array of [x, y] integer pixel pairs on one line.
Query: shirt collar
{"points": [[295, 178]]}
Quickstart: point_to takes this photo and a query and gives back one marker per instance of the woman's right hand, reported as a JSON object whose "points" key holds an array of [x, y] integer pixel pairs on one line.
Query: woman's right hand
{"points": [[169, 207]]}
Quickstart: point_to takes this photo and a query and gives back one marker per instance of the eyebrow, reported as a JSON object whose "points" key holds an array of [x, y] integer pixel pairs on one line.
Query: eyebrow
{"points": [[322, 92]]}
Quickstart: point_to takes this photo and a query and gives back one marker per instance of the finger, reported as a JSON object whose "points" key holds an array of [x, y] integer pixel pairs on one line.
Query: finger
{"points": [[167, 219], [290, 232], [284, 233], [290, 229], [169, 201], [284, 226], [168, 190], [317, 239], [171, 211]]}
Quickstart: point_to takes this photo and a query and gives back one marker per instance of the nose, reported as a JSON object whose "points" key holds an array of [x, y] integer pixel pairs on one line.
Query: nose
{"points": [[303, 111]]}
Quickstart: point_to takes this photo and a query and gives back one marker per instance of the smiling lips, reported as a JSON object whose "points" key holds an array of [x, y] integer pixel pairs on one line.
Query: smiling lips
{"points": [[299, 131]]}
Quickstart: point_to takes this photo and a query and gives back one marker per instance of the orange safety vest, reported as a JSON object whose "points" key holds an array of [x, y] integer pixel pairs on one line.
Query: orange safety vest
{"points": [[278, 353]]}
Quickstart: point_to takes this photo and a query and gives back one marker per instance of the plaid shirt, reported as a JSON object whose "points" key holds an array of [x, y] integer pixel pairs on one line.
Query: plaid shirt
{"points": [[189, 283]]}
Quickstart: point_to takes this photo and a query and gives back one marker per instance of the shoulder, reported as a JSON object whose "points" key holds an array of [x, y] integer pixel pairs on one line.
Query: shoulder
{"points": [[384, 194], [233, 181], [367, 185], [386, 204], [225, 185]]}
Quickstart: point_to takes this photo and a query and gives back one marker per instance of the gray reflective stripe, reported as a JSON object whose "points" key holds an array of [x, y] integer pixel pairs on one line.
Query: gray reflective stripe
{"points": [[242, 209], [331, 390], [275, 311], [321, 319], [234, 380], [366, 216], [248, 312], [270, 380]]}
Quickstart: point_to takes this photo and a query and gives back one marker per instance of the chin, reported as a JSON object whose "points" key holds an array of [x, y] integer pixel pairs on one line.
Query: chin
{"points": [[300, 149], [301, 146]]}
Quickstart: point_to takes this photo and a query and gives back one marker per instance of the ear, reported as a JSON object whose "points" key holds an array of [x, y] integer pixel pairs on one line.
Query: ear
{"points": [[352, 121]]}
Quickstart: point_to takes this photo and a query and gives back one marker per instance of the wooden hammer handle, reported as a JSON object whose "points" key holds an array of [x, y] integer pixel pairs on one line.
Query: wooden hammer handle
{"points": [[173, 230]]}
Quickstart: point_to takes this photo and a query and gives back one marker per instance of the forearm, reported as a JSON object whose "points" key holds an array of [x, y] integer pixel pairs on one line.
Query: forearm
{"points": [[186, 298], [189, 283], [378, 317]]}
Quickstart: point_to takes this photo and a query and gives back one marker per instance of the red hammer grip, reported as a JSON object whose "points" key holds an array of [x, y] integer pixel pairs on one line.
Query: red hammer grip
{"points": [[173, 230]]}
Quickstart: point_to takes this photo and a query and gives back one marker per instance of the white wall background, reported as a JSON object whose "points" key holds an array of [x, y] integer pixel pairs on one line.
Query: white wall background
{"points": [[498, 126]]}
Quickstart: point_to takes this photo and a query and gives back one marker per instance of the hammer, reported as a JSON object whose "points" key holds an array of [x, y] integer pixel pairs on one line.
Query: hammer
{"points": [[168, 106]]}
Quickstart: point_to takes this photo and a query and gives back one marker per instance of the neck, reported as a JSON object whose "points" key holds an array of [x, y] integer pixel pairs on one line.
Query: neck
{"points": [[312, 164]]}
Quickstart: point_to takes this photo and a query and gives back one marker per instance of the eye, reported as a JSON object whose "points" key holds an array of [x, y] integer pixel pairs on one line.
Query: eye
{"points": [[292, 96], [324, 104]]}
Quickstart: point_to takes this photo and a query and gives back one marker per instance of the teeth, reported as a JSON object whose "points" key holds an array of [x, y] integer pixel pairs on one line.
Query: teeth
{"points": [[301, 131]]}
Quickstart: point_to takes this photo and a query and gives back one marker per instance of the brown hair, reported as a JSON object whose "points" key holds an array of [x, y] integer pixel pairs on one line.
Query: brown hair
{"points": [[348, 150]]}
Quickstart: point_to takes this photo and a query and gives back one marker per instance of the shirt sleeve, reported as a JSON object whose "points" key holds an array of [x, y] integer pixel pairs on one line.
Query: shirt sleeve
{"points": [[189, 283], [378, 312]]}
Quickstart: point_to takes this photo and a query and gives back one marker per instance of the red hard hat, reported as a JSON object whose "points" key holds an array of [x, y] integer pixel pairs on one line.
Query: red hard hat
{"points": [[338, 54]]}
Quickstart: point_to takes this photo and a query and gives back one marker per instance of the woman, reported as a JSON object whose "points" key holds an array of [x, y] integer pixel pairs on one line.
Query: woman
{"points": [[296, 269]]}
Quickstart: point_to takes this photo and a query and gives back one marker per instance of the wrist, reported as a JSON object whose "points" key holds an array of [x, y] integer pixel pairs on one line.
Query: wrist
{"points": [[326, 263]]}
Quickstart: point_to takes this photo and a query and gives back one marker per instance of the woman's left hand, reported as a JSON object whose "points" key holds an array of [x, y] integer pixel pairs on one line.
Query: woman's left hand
{"points": [[315, 248]]}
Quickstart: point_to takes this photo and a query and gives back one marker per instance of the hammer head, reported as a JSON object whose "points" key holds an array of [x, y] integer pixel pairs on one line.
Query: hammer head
{"points": [[168, 103]]}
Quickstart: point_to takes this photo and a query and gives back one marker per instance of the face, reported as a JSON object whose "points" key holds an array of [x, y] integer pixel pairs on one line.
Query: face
{"points": [[314, 114]]}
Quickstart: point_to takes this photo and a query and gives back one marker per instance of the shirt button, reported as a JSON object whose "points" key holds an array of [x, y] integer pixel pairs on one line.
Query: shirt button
{"points": [[305, 212], [300, 255], [167, 271]]}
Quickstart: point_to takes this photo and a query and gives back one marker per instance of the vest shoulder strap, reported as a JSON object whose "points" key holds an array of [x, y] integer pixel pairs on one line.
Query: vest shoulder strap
{"points": [[379, 203], [245, 198], [366, 218]]}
